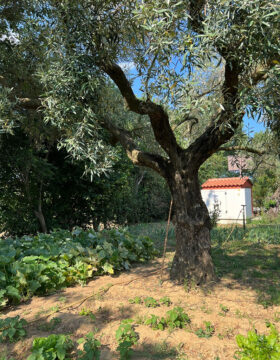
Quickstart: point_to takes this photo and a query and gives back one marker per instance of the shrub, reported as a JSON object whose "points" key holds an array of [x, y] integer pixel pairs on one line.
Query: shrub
{"points": [[259, 347]]}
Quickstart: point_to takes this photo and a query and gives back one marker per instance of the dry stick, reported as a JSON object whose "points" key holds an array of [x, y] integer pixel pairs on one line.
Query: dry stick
{"points": [[80, 302], [166, 238], [233, 227]]}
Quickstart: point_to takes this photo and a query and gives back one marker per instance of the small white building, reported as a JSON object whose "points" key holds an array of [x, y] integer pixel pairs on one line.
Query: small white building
{"points": [[226, 196]]}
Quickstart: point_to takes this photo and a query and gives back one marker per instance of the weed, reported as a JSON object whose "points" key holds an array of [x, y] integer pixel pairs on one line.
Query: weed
{"points": [[126, 338], [12, 329], [91, 348], [224, 310], [150, 302], [156, 323], [136, 300], [50, 326], [87, 312], [55, 308], [207, 332], [165, 301], [52, 347], [62, 299]]}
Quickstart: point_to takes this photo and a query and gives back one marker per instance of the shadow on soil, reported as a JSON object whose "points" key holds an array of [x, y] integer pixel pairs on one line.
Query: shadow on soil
{"points": [[252, 265]]}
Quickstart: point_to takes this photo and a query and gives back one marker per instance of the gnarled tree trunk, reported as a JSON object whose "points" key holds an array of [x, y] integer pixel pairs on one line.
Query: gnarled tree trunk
{"points": [[192, 261]]}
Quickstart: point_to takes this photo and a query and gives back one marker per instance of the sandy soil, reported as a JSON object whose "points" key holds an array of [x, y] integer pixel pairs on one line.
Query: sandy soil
{"points": [[200, 304]]}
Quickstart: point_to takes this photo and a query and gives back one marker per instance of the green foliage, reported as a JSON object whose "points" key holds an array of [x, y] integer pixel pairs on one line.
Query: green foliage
{"points": [[126, 338], [174, 319], [136, 300], [47, 262], [91, 348], [259, 347], [52, 347], [177, 318], [155, 322], [87, 312], [207, 332], [150, 302], [165, 301], [12, 329]]}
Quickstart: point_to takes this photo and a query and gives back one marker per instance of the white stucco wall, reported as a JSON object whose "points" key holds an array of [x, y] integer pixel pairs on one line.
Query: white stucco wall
{"points": [[229, 202]]}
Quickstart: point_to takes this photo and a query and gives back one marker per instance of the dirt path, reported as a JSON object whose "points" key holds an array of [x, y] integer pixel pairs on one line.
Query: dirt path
{"points": [[109, 309]]}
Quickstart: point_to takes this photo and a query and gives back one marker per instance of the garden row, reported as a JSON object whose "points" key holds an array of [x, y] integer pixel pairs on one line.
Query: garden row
{"points": [[47, 262], [53, 347], [259, 234]]}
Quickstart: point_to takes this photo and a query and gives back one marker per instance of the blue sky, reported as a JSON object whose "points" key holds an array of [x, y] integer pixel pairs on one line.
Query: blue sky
{"points": [[251, 125]]}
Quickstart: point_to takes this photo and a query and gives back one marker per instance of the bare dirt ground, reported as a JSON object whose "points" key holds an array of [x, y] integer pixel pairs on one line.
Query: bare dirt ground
{"points": [[113, 306]]}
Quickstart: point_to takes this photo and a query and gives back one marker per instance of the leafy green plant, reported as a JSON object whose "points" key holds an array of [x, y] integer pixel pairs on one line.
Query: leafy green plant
{"points": [[45, 263], [51, 348], [12, 329], [259, 347], [126, 338], [150, 302], [177, 318], [207, 332], [136, 300], [87, 312], [224, 310], [91, 349], [156, 322], [165, 301]]}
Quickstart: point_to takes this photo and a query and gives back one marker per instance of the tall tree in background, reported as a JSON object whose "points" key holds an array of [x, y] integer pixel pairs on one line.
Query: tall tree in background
{"points": [[167, 42]]}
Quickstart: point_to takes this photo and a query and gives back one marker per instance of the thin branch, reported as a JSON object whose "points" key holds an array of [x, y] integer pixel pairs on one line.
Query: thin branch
{"points": [[149, 75], [242, 148]]}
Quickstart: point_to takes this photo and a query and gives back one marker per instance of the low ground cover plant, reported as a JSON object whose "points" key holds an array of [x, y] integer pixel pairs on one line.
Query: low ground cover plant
{"points": [[52, 347], [174, 319], [91, 348], [151, 302], [259, 347], [207, 331], [47, 262], [12, 329], [165, 301], [126, 338], [136, 300]]}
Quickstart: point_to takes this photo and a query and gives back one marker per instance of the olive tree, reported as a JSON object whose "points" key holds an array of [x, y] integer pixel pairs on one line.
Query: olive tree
{"points": [[174, 47]]}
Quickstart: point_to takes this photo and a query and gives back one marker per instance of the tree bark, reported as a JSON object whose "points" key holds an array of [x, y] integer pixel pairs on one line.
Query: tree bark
{"points": [[192, 262]]}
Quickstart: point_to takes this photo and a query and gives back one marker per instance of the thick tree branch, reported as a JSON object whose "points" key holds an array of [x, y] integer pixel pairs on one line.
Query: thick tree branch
{"points": [[138, 157], [242, 148], [31, 104], [158, 117]]}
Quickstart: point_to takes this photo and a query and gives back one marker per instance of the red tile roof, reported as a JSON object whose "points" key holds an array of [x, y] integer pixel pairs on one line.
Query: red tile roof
{"points": [[235, 182]]}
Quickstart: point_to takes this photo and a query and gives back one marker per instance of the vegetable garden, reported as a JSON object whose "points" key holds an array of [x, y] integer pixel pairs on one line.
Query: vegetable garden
{"points": [[75, 313]]}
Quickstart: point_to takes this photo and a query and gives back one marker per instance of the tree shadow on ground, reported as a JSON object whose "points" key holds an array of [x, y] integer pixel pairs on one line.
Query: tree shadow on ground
{"points": [[253, 265]]}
